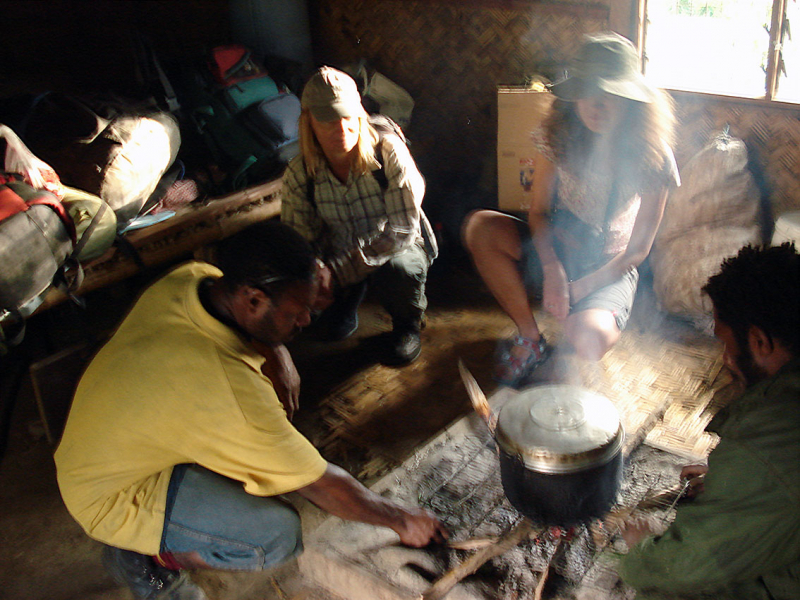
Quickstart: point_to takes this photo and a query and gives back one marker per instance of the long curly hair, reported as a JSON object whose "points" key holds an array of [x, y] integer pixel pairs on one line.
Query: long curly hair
{"points": [[639, 140], [313, 157]]}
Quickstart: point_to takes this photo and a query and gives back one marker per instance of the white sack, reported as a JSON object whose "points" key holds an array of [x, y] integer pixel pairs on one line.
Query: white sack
{"points": [[682, 266]]}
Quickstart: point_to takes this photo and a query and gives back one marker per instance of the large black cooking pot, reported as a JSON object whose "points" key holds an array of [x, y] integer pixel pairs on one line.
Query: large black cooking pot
{"points": [[560, 454]]}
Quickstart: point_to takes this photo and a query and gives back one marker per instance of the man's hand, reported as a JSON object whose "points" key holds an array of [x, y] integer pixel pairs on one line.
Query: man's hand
{"points": [[695, 475], [280, 369], [420, 527], [340, 494], [635, 530], [325, 288]]}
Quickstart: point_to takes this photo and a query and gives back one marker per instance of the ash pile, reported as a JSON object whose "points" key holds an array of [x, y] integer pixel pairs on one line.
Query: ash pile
{"points": [[493, 553], [463, 487]]}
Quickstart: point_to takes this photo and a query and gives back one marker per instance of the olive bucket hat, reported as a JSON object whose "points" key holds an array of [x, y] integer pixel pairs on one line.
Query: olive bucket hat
{"points": [[606, 62], [331, 94]]}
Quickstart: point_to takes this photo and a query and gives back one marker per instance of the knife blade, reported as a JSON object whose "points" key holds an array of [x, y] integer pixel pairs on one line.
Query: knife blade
{"points": [[476, 396]]}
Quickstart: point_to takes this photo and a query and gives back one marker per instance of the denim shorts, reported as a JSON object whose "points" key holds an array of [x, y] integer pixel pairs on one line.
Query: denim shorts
{"points": [[229, 528], [617, 297]]}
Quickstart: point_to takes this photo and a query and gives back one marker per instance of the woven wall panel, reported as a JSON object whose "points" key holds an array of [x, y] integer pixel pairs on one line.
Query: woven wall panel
{"points": [[773, 134], [451, 57]]}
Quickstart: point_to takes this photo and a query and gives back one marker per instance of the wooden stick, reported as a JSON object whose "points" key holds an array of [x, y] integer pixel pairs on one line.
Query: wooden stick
{"points": [[442, 586], [277, 588], [558, 551], [540, 586], [477, 397], [473, 544], [615, 519]]}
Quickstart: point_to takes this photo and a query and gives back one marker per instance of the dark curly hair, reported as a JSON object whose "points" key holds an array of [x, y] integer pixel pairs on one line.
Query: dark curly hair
{"points": [[269, 256], [760, 286]]}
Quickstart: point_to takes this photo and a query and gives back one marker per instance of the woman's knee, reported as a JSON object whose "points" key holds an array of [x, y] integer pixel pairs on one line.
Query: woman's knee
{"points": [[474, 221], [592, 333], [484, 229]]}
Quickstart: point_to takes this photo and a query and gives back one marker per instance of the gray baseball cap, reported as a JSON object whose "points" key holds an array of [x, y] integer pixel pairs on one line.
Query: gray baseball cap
{"points": [[331, 94]]}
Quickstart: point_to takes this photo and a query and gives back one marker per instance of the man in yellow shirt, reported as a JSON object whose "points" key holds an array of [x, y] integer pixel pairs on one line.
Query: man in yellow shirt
{"points": [[177, 447]]}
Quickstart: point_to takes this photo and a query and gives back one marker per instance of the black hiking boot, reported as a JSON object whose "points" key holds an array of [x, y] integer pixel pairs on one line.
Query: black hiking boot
{"points": [[404, 345]]}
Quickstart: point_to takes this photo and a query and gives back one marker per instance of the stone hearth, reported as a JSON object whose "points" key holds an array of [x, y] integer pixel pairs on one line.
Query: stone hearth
{"points": [[456, 475]]}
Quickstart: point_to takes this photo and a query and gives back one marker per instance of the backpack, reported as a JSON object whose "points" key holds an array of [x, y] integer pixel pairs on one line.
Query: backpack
{"points": [[245, 123], [241, 80], [42, 241], [36, 238], [107, 149], [233, 64]]}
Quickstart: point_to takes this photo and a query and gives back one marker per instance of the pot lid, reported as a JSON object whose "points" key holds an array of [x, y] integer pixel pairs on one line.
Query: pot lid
{"points": [[560, 428]]}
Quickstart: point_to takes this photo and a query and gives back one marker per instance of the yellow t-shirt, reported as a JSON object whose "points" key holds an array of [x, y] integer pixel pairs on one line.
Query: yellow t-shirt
{"points": [[173, 385]]}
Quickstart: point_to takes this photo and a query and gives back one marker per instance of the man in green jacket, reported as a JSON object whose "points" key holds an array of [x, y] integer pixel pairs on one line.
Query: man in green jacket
{"points": [[740, 537]]}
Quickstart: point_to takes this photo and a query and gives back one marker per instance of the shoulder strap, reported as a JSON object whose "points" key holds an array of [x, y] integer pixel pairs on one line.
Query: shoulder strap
{"points": [[310, 189], [87, 233], [380, 173], [384, 126]]}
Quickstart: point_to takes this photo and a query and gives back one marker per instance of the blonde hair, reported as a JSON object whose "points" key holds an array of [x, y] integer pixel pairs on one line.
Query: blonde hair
{"points": [[362, 156]]}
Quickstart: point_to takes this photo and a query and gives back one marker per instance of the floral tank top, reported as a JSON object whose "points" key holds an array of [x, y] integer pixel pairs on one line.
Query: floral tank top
{"points": [[585, 190]]}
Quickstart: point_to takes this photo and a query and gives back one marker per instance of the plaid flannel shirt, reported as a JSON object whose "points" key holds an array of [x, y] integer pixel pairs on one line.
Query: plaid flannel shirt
{"points": [[355, 226]]}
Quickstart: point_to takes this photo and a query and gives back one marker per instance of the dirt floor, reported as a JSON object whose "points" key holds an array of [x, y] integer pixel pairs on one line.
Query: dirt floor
{"points": [[363, 416]]}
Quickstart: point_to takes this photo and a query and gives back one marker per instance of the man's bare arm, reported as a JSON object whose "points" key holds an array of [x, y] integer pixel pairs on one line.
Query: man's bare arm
{"points": [[340, 494]]}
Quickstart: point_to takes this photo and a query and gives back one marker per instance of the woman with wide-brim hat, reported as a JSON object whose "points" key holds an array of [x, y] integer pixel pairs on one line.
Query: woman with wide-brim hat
{"points": [[597, 203]]}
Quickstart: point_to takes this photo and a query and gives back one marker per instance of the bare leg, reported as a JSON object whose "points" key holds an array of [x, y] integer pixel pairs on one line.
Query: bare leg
{"points": [[494, 244], [591, 332]]}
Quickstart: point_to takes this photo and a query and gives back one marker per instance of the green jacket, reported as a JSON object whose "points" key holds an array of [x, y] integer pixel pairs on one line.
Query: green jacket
{"points": [[740, 538]]}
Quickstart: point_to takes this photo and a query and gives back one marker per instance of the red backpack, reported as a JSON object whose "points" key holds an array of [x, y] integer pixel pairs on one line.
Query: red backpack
{"points": [[233, 64], [37, 237]]}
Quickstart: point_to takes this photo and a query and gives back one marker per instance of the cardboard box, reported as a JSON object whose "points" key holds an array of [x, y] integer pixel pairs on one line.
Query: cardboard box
{"points": [[519, 111]]}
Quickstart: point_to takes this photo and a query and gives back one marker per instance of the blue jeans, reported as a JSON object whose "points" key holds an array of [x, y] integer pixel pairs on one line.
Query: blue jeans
{"points": [[229, 528]]}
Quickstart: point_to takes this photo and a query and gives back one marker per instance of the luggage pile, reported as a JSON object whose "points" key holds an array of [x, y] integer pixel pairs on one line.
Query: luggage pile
{"points": [[47, 229], [244, 119]]}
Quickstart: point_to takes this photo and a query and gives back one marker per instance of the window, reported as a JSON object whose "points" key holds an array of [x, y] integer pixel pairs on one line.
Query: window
{"points": [[730, 47]]}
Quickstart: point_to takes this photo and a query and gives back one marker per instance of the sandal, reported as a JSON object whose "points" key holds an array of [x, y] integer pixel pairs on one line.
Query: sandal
{"points": [[514, 371]]}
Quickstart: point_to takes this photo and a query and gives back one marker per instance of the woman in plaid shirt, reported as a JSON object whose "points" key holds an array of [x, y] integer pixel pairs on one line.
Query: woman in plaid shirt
{"points": [[356, 196]]}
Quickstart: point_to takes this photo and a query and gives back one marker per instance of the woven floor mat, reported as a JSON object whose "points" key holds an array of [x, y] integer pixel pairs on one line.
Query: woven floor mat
{"points": [[666, 391], [665, 377]]}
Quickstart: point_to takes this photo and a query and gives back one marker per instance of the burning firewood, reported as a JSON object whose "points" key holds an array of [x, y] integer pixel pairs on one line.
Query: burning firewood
{"points": [[557, 552], [603, 531], [447, 582], [473, 544]]}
